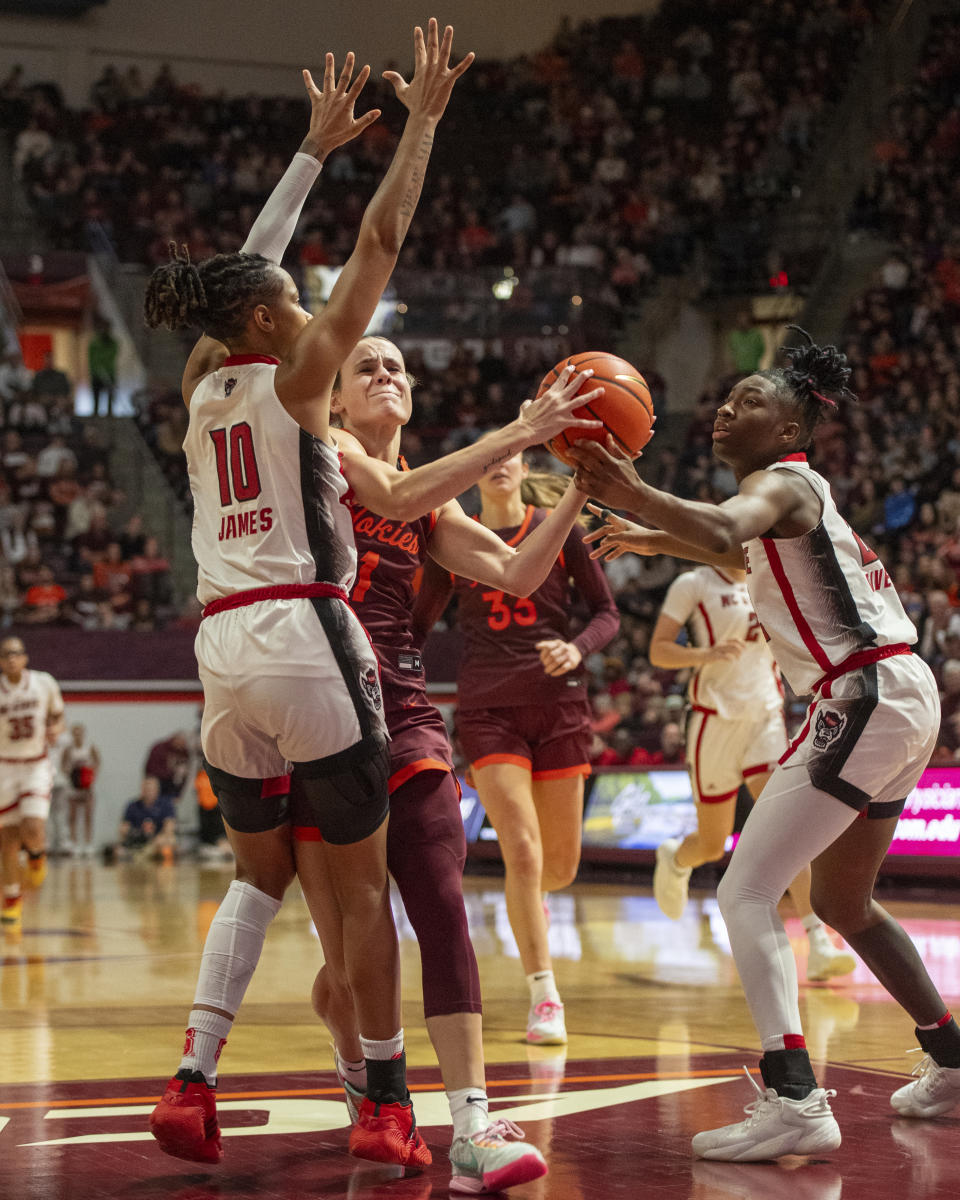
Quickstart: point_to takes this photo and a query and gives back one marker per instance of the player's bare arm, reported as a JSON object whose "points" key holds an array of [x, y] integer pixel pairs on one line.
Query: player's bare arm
{"points": [[304, 379], [467, 548], [766, 501], [332, 124], [618, 536], [666, 652], [407, 495]]}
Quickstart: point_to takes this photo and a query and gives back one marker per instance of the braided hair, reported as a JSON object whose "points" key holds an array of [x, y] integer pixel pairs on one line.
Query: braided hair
{"points": [[216, 295], [814, 379]]}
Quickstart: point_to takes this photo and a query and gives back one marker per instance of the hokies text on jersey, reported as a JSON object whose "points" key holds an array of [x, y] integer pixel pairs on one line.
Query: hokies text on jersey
{"points": [[389, 533]]}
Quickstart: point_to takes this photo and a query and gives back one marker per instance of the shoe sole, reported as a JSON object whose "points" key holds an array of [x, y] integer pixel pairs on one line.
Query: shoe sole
{"points": [[556, 1040], [181, 1135], [841, 964], [523, 1170], [776, 1147], [922, 1114]]}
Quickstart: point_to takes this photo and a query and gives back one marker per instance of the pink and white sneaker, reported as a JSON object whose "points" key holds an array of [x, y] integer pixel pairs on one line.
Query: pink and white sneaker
{"points": [[545, 1024]]}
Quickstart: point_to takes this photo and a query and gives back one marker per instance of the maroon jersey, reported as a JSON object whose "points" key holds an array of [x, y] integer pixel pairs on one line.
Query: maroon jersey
{"points": [[501, 664], [390, 558]]}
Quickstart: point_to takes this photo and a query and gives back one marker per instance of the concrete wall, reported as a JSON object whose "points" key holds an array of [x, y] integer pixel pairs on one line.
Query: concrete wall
{"points": [[241, 46]]}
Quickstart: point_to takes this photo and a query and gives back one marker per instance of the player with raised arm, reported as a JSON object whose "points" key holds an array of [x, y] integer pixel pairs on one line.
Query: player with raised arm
{"points": [[839, 632], [289, 675]]}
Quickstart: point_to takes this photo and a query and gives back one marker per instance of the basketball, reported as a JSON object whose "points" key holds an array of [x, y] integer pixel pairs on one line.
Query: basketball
{"points": [[625, 408]]}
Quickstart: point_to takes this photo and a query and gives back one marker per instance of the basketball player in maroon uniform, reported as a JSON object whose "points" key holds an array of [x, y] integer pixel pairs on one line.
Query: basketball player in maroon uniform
{"points": [[524, 720], [425, 841]]}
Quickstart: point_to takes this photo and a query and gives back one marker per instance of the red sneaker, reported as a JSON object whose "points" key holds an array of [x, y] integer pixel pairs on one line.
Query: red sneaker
{"points": [[185, 1120], [388, 1133]]}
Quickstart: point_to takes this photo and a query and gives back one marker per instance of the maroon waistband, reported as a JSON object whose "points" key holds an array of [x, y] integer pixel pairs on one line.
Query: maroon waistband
{"points": [[861, 658], [280, 591]]}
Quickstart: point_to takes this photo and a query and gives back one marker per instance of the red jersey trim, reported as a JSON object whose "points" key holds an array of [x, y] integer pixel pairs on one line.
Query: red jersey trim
{"points": [[243, 360], [307, 833], [719, 798], [399, 778], [564, 772], [806, 633], [760, 770], [799, 457], [278, 785], [524, 526], [489, 759], [792, 748], [861, 658], [706, 621], [732, 582], [280, 591]]}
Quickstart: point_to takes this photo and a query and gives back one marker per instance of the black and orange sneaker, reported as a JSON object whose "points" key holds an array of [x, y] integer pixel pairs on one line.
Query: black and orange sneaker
{"points": [[185, 1121], [388, 1133]]}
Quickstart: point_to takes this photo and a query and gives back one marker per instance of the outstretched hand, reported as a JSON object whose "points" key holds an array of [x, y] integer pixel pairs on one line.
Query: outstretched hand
{"points": [[433, 77], [604, 471], [553, 412], [331, 111], [618, 536]]}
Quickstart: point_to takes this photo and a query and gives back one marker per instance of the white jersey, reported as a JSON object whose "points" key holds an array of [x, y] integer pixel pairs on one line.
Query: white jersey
{"points": [[823, 596], [24, 708], [267, 495], [716, 608]]}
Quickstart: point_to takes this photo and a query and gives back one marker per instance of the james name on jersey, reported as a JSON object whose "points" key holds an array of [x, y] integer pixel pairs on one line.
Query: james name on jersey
{"points": [[243, 524]]}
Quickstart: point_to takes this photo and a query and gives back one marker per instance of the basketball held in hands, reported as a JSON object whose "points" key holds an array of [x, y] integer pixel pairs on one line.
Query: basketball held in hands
{"points": [[625, 408]]}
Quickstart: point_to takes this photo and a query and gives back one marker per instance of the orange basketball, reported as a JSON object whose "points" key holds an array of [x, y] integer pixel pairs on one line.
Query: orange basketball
{"points": [[625, 408]]}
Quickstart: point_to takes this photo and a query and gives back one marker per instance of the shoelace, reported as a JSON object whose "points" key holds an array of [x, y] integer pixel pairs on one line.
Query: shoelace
{"points": [[500, 1130], [755, 1107]]}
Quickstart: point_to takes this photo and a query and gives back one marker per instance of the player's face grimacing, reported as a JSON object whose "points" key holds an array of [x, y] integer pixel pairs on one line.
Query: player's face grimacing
{"points": [[374, 386], [752, 429]]}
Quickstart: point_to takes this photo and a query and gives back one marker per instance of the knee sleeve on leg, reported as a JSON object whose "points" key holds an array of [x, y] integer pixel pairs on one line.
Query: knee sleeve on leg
{"points": [[249, 805], [232, 949], [345, 795]]}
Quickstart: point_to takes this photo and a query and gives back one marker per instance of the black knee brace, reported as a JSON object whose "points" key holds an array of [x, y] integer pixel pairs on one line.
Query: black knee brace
{"points": [[344, 795], [246, 804]]}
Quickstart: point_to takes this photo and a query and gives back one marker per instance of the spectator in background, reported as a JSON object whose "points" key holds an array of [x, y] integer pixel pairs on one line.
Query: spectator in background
{"points": [[102, 351], [50, 383], [44, 599], [167, 762], [149, 825], [745, 344], [54, 455]]}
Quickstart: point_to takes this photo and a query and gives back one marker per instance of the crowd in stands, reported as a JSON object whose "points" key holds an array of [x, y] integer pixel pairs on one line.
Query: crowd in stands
{"points": [[621, 147], [67, 556], [631, 164]]}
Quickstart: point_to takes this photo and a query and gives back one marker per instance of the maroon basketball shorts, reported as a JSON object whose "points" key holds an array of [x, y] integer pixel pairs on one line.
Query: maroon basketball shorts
{"points": [[552, 741]]}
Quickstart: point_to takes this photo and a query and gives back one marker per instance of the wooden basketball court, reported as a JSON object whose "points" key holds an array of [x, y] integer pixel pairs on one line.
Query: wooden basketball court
{"points": [[95, 992]]}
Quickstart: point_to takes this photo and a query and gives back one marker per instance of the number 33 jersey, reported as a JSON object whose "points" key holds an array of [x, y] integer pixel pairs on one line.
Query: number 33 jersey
{"points": [[267, 495], [716, 608]]}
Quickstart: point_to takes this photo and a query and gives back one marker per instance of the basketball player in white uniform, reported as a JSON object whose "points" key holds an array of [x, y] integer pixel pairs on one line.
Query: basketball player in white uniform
{"points": [[31, 719], [81, 761], [839, 632], [736, 734], [290, 679]]}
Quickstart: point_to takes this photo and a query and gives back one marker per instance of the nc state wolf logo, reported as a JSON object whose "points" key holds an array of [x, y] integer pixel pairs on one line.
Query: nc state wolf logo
{"points": [[829, 727], [228, 386], [371, 685]]}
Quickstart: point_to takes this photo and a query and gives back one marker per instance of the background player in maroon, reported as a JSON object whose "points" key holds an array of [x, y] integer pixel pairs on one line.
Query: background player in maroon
{"points": [[838, 630], [524, 721]]}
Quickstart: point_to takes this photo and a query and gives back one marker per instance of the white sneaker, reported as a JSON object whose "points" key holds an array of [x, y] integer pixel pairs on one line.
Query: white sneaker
{"points": [[776, 1126], [934, 1092], [826, 962], [545, 1024], [670, 883], [488, 1162]]}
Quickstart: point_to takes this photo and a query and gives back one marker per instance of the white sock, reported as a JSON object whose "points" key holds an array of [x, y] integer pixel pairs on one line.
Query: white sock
{"points": [[382, 1051], [817, 934], [355, 1073], [469, 1109], [206, 1036], [11, 891], [542, 987]]}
